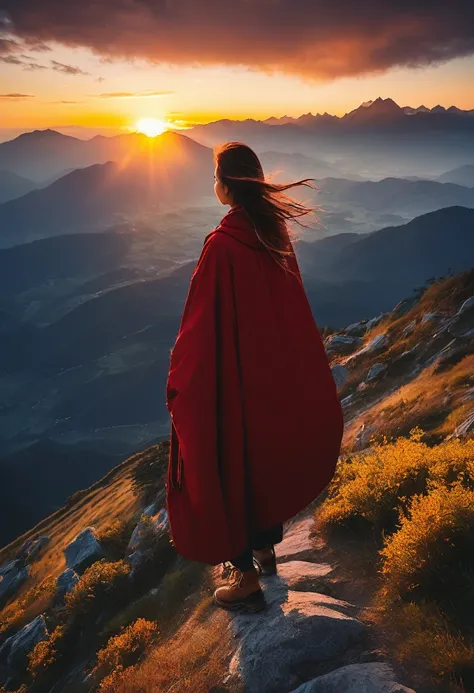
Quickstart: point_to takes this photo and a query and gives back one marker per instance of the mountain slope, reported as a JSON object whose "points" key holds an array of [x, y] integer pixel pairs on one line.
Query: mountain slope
{"points": [[322, 626], [464, 175], [12, 186]]}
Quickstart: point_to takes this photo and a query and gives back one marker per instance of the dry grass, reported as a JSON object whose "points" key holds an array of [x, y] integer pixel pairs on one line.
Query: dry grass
{"points": [[194, 660], [431, 400]]}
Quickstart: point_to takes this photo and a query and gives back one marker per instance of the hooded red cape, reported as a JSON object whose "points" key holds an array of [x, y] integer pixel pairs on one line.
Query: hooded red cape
{"points": [[256, 421]]}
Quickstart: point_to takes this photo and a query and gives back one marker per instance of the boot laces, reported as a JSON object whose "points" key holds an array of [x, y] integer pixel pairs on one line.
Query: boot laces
{"points": [[231, 572]]}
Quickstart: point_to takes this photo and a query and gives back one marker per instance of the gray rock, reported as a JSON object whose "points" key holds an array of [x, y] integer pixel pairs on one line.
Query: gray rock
{"points": [[378, 343], [297, 542], [465, 427], [376, 370], [363, 436], [341, 344], [83, 551], [65, 583], [409, 328], [347, 400], [468, 303], [159, 524], [375, 321], [142, 547], [374, 677], [356, 329], [12, 575], [340, 374], [428, 317], [297, 629], [300, 575], [32, 547], [16, 648], [404, 306]]}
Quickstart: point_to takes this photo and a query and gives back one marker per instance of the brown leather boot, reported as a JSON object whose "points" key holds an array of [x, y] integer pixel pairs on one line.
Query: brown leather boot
{"points": [[265, 561], [242, 593]]}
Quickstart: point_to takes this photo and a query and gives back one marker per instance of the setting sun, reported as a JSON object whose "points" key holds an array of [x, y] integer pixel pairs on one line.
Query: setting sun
{"points": [[151, 127]]}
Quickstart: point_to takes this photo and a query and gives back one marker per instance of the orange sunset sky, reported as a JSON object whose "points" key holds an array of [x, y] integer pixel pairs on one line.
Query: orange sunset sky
{"points": [[63, 68]]}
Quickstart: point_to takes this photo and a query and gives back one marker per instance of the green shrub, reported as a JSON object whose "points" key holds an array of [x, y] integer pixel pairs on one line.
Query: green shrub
{"points": [[115, 536], [98, 587]]}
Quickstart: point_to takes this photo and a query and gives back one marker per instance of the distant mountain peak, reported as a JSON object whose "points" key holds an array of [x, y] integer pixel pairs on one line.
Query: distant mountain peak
{"points": [[374, 109]]}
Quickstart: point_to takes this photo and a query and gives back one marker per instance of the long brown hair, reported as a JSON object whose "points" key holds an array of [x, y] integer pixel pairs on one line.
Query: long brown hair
{"points": [[265, 203]]}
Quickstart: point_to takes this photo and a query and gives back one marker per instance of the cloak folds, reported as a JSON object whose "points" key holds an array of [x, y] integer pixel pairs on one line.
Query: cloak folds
{"points": [[256, 421]]}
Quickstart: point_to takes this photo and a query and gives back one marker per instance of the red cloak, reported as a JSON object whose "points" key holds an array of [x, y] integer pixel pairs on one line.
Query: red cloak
{"points": [[251, 397]]}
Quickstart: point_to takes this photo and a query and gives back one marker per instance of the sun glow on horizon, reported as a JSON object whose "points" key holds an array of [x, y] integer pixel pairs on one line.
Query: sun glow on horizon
{"points": [[151, 127]]}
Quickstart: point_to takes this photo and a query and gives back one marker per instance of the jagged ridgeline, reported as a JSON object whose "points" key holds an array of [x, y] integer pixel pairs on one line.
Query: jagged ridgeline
{"points": [[376, 579]]}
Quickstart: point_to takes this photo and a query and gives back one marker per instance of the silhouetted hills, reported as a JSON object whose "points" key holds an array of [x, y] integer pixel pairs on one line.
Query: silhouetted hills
{"points": [[90, 198], [463, 175], [395, 195], [12, 186], [45, 154], [25, 266]]}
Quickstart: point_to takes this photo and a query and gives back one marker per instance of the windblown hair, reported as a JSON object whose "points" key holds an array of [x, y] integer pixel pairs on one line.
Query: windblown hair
{"points": [[266, 205]]}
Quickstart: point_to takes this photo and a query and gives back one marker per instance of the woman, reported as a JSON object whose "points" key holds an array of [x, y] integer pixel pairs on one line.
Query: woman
{"points": [[256, 419]]}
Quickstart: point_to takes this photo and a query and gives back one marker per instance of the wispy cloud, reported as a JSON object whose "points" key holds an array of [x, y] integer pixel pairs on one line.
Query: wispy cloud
{"points": [[133, 94], [67, 69], [16, 95]]}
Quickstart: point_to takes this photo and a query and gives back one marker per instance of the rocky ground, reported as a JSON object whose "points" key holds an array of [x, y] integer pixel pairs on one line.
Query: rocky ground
{"points": [[307, 640]]}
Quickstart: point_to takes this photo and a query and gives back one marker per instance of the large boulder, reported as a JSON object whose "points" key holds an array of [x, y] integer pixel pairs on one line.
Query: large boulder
{"points": [[83, 551], [65, 583], [31, 548], [297, 630], [340, 344], [375, 370], [340, 374], [404, 306], [15, 649], [375, 321], [12, 575], [373, 677], [148, 536], [356, 329]]}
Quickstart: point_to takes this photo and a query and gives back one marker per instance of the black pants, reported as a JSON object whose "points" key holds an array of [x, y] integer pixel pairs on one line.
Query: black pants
{"points": [[262, 540]]}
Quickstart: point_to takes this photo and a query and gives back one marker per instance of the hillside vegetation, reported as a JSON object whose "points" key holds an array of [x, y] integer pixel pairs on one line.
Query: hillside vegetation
{"points": [[397, 518]]}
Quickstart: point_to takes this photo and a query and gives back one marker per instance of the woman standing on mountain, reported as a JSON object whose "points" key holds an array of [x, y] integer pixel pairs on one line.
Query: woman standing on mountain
{"points": [[256, 420]]}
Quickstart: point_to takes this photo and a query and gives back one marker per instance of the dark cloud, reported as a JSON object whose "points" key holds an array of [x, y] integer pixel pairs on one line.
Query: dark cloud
{"points": [[133, 94], [67, 69], [16, 96], [24, 61], [314, 38]]}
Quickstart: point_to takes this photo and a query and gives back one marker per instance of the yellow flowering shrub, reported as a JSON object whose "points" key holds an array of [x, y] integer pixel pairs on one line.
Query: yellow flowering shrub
{"points": [[432, 554], [124, 650], [374, 483]]}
